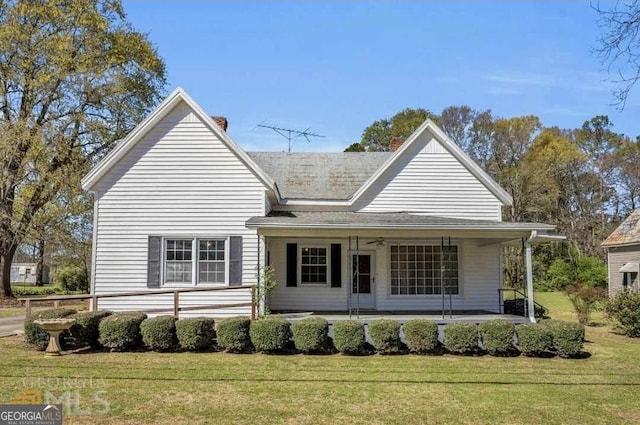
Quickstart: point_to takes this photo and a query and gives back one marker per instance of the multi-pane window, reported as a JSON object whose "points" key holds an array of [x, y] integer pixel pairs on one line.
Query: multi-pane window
{"points": [[208, 261], [211, 265], [178, 260], [313, 265], [418, 269]]}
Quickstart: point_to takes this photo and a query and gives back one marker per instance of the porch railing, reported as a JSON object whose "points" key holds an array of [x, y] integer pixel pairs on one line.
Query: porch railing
{"points": [[520, 304], [94, 299]]}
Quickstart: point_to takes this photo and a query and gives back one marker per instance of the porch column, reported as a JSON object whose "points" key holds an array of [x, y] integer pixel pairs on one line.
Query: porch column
{"points": [[529, 267]]}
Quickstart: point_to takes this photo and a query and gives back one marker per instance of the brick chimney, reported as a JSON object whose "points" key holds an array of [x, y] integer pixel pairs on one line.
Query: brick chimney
{"points": [[221, 121], [395, 143]]}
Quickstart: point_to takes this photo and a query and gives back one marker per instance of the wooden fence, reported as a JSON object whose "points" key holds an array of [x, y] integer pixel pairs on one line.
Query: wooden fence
{"points": [[94, 299]]}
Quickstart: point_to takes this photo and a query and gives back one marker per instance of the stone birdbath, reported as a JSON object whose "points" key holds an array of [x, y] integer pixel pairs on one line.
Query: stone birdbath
{"points": [[54, 327]]}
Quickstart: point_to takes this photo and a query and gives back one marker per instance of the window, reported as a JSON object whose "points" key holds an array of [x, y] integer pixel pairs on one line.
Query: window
{"points": [[313, 265], [416, 270], [209, 263], [178, 261]]}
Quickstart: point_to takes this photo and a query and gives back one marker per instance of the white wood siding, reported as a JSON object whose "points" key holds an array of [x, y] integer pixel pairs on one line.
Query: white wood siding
{"points": [[429, 180], [304, 296], [618, 257], [479, 280], [179, 180], [480, 277]]}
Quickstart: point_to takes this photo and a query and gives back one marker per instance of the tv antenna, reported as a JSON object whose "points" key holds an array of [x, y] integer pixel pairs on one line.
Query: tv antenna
{"points": [[291, 134]]}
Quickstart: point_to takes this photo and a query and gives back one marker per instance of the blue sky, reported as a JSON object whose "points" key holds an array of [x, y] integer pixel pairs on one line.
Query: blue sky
{"points": [[337, 67]]}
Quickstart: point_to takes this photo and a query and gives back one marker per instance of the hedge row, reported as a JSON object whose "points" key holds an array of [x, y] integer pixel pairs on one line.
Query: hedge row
{"points": [[130, 331]]}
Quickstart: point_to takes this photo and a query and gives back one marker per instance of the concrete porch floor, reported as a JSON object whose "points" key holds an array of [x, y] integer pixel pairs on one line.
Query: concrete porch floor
{"points": [[402, 317]]}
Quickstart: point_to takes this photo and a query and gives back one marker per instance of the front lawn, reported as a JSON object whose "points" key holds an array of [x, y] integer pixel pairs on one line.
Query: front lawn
{"points": [[18, 310], [222, 388]]}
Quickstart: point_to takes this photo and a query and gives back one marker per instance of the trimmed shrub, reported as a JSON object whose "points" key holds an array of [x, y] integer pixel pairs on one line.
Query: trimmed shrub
{"points": [[624, 308], [121, 331], [196, 334], [35, 335], [497, 336], [271, 334], [233, 334], [568, 337], [534, 339], [421, 335], [86, 330], [348, 336], [159, 333], [385, 336], [311, 335], [461, 338]]}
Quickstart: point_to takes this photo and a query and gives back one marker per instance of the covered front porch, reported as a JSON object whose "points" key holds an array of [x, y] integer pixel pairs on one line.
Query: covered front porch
{"points": [[341, 265]]}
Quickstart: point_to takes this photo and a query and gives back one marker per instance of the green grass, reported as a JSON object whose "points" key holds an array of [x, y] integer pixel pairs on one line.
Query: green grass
{"points": [[19, 311], [11, 312], [222, 388]]}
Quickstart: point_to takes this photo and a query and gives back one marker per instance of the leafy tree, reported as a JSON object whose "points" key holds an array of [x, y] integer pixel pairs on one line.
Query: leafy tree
{"points": [[579, 269], [74, 78], [627, 158], [355, 147], [377, 136], [468, 128]]}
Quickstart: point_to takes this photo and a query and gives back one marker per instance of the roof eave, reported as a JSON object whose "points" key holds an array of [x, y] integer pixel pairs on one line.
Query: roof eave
{"points": [[394, 226], [606, 244]]}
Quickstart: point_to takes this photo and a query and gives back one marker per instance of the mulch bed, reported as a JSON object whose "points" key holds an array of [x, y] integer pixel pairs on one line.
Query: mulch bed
{"points": [[7, 302]]}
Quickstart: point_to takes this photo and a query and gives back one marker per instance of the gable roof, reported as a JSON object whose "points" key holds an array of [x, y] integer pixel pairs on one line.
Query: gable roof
{"points": [[450, 146], [177, 96], [338, 179], [628, 233], [320, 175]]}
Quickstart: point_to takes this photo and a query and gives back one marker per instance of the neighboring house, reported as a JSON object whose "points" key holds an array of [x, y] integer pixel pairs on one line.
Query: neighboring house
{"points": [[179, 204], [623, 255], [26, 273]]}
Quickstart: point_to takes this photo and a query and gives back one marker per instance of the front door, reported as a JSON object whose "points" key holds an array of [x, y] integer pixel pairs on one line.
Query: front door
{"points": [[362, 281]]}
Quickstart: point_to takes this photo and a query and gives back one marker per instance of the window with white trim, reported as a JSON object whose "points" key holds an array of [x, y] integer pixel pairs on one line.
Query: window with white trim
{"points": [[313, 265], [416, 270], [178, 261], [208, 265], [211, 261]]}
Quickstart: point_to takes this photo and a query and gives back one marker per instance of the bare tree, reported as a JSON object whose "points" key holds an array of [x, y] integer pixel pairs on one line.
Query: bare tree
{"points": [[619, 45]]}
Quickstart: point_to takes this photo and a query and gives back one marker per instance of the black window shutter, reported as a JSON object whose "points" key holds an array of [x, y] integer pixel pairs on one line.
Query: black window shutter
{"points": [[292, 264], [235, 261], [336, 265], [153, 261]]}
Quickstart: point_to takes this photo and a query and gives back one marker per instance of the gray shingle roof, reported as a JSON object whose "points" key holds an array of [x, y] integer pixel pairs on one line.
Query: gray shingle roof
{"points": [[319, 175], [628, 233], [337, 219]]}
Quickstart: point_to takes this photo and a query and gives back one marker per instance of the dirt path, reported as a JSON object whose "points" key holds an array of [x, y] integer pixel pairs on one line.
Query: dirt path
{"points": [[9, 325]]}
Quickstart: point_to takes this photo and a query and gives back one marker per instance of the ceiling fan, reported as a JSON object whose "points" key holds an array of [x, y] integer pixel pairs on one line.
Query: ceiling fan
{"points": [[377, 241]]}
